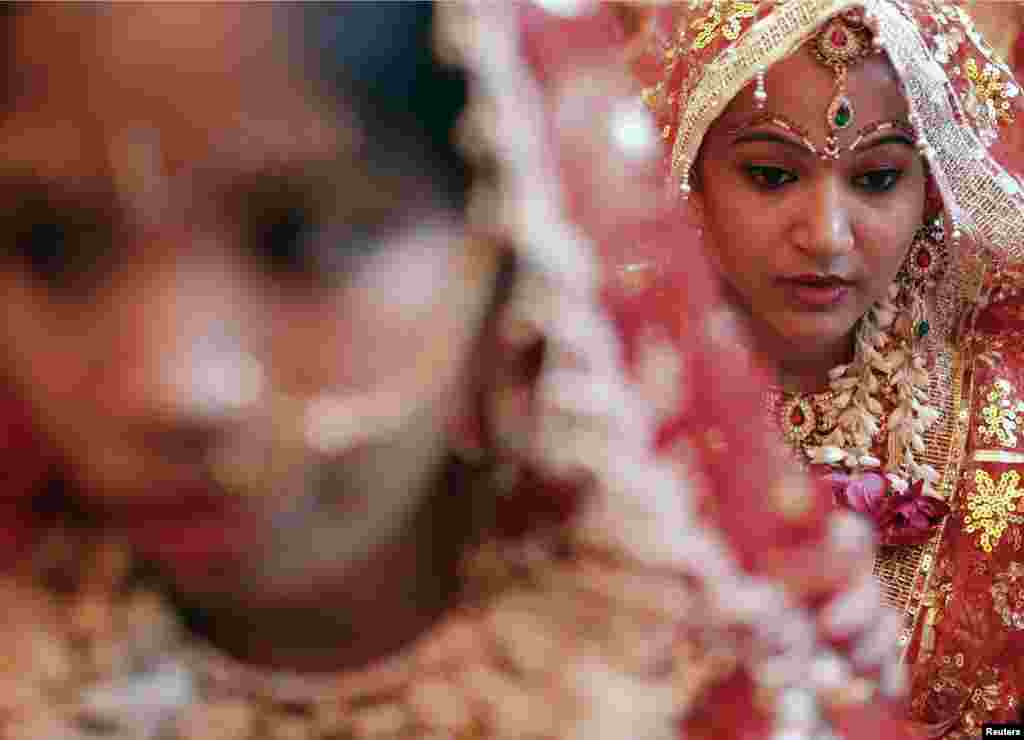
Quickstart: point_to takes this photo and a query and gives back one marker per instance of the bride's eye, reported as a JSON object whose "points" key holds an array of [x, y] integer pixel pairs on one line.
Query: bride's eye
{"points": [[770, 178], [62, 245], [878, 181], [285, 235]]}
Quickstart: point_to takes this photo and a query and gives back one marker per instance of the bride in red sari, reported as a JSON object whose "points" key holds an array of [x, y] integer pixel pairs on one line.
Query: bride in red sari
{"points": [[345, 456], [851, 169]]}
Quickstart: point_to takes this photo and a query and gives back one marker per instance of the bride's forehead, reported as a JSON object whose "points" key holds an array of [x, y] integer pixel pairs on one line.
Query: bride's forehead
{"points": [[139, 61], [147, 29], [801, 88], [200, 83]]}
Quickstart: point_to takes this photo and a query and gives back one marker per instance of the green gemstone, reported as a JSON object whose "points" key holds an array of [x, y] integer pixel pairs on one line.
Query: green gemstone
{"points": [[843, 116], [922, 329]]}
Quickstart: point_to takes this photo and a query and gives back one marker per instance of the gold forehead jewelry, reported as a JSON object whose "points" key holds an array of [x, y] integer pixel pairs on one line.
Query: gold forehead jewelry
{"points": [[780, 121], [843, 42]]}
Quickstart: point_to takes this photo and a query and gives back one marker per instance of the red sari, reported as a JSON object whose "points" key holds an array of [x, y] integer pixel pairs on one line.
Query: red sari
{"points": [[967, 651]]}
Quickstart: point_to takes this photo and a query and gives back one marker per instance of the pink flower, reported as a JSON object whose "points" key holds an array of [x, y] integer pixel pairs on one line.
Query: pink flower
{"points": [[862, 492], [901, 518], [909, 518]]}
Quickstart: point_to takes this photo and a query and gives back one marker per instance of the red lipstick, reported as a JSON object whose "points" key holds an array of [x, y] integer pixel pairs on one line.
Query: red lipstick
{"points": [[186, 522]]}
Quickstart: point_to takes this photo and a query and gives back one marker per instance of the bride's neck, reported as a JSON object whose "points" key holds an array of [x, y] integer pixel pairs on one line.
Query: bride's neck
{"points": [[799, 366], [804, 368], [352, 614]]}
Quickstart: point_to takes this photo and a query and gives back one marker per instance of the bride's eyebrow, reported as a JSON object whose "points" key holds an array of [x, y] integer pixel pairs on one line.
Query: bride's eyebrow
{"points": [[746, 131], [899, 131], [773, 137]]}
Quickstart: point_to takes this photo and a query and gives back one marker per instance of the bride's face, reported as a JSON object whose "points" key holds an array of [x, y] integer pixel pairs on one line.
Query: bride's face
{"points": [[806, 244], [200, 240]]}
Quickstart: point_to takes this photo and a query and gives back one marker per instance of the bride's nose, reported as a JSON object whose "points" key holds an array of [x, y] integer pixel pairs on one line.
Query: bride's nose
{"points": [[187, 355], [823, 227]]}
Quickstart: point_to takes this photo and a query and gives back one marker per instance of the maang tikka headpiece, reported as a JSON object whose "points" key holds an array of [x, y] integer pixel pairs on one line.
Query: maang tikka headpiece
{"points": [[843, 42]]}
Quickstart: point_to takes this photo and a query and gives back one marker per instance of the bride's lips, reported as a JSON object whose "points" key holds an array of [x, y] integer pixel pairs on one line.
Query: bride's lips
{"points": [[816, 292], [186, 523]]}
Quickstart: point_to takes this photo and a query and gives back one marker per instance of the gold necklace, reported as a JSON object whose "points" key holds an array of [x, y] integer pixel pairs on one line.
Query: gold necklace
{"points": [[107, 650], [802, 416]]}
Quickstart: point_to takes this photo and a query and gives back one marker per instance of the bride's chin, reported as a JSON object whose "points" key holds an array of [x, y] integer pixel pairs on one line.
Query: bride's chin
{"points": [[783, 336], [812, 338]]}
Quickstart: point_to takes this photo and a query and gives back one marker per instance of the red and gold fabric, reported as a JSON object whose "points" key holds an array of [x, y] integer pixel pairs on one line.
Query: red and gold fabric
{"points": [[967, 647], [958, 593]]}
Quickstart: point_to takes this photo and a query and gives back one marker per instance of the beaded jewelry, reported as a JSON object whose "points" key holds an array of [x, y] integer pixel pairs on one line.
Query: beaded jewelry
{"points": [[841, 44], [760, 94], [884, 389]]}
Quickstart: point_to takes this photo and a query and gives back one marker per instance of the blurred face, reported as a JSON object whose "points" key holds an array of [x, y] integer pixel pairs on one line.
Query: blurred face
{"points": [[806, 244], [194, 246]]}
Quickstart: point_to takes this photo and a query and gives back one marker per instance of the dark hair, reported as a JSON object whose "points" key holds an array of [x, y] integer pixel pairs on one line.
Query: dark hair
{"points": [[7, 11], [379, 58]]}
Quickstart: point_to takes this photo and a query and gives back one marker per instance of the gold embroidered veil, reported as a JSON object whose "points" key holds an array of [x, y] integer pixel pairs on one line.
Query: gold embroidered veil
{"points": [[958, 92]]}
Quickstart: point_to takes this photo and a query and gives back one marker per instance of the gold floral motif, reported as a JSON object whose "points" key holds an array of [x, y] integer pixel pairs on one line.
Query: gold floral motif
{"points": [[725, 16], [949, 685], [991, 91], [650, 95], [985, 700], [991, 507], [1008, 596], [1000, 414], [987, 696], [982, 694]]}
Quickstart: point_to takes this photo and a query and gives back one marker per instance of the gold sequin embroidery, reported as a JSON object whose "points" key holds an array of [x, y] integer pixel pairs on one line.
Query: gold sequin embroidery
{"points": [[725, 16], [991, 507], [1000, 415], [987, 696], [649, 96], [991, 91], [1008, 596]]}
